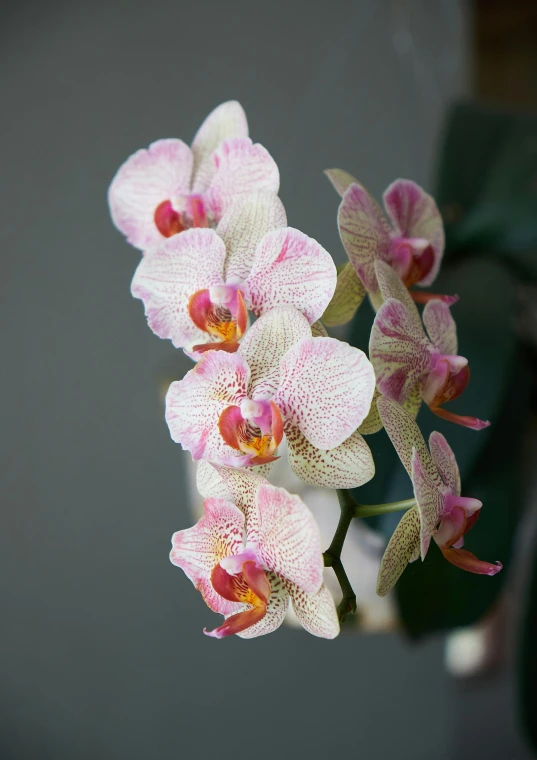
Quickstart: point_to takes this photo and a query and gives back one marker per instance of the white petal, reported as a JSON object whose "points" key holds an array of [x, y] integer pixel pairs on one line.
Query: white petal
{"points": [[316, 612], [225, 121]]}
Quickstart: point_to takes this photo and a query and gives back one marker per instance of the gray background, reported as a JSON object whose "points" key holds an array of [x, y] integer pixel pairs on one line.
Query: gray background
{"points": [[102, 652]]}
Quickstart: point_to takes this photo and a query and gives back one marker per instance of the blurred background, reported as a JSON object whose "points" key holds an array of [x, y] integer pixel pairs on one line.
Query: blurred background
{"points": [[102, 652]]}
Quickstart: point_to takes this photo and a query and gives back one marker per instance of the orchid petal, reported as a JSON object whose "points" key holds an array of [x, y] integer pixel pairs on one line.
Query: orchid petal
{"points": [[445, 462], [238, 485], [194, 404], [452, 528], [365, 233], [198, 550], [276, 610], [290, 268], [391, 286], [266, 342], [341, 180], [465, 560], [316, 612], [415, 214], [474, 423], [247, 220], [318, 330], [401, 550], [441, 327], [348, 465], [287, 538], [405, 435], [170, 274], [326, 388], [372, 423], [347, 298], [225, 121], [241, 167], [142, 183], [399, 351], [430, 502]]}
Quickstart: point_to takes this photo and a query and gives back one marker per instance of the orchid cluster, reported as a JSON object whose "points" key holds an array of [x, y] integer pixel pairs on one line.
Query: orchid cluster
{"points": [[245, 296]]}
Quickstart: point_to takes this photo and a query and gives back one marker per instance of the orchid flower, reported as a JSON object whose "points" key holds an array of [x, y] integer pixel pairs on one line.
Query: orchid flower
{"points": [[169, 187], [411, 239], [198, 286], [255, 548], [411, 365], [234, 409], [440, 511]]}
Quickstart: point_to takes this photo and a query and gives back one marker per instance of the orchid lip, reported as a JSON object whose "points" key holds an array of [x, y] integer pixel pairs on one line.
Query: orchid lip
{"points": [[251, 409], [220, 295]]}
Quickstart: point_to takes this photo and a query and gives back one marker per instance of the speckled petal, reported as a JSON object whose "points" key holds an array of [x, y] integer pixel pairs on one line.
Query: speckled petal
{"points": [[391, 286], [341, 180], [405, 435], [402, 549], [415, 214], [264, 344], [142, 183], [399, 351], [365, 233], [372, 423], [238, 485], [247, 220], [290, 268], [316, 612], [170, 274], [287, 538], [318, 330], [326, 388], [216, 535], [430, 501], [349, 465], [276, 610], [241, 167], [194, 404], [445, 462], [225, 121], [347, 298], [441, 327]]}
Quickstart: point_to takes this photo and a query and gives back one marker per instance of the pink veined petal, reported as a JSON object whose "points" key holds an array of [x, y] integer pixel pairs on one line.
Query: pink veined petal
{"points": [[391, 286], [399, 351], [142, 183], [316, 612], [415, 214], [286, 537], [430, 502], [276, 610], [445, 462], [216, 535], [341, 180], [441, 327], [225, 121], [405, 435], [326, 388], [194, 404], [170, 274], [348, 465], [365, 233], [247, 220], [290, 268], [401, 550], [238, 485], [241, 167], [264, 344]]}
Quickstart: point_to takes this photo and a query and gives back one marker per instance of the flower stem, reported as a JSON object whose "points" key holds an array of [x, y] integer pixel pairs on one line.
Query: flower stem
{"points": [[332, 556]]}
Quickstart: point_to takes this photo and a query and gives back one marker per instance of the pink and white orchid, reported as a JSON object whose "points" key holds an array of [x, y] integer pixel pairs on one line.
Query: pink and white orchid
{"points": [[169, 187], [440, 511], [197, 286], [235, 408], [408, 363], [411, 239], [255, 548]]}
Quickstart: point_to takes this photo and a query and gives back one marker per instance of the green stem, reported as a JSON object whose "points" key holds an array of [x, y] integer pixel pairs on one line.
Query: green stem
{"points": [[369, 510]]}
